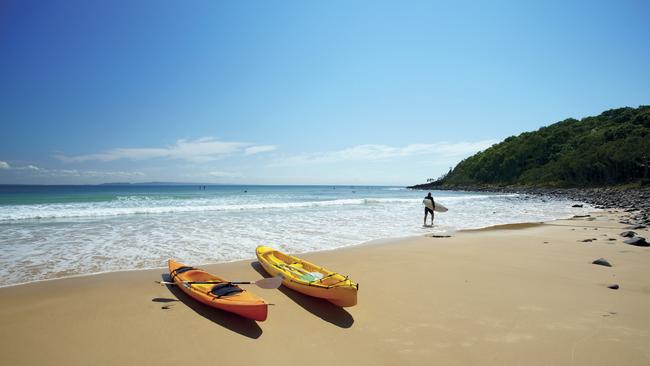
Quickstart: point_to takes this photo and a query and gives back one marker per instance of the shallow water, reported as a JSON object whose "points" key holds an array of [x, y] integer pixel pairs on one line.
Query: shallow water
{"points": [[58, 231]]}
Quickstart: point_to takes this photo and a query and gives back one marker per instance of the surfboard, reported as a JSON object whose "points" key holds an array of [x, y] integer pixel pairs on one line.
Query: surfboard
{"points": [[439, 207]]}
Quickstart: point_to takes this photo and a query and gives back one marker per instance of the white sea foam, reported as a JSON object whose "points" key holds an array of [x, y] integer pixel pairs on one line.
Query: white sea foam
{"points": [[55, 211], [131, 232], [145, 205]]}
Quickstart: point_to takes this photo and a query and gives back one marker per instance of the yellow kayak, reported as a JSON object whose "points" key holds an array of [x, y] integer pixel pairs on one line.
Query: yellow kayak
{"points": [[308, 278]]}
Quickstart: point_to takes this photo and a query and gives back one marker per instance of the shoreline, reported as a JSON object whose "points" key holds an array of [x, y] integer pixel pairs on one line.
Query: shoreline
{"points": [[519, 294], [372, 242], [378, 241], [87, 243]]}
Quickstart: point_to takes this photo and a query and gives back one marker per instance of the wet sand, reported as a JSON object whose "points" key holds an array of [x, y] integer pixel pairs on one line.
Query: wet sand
{"points": [[510, 295]]}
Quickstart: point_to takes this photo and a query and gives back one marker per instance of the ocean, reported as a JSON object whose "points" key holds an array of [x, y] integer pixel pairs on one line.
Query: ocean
{"points": [[51, 232]]}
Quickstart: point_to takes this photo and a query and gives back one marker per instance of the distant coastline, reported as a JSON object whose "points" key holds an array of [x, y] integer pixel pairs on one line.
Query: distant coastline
{"points": [[610, 149], [602, 160]]}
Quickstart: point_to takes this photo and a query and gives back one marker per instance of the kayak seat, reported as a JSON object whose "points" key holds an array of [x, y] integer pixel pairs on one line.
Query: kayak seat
{"points": [[180, 270], [225, 289], [308, 277]]}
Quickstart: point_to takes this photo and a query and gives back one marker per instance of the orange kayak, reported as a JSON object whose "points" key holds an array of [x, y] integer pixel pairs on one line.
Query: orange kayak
{"points": [[221, 295]]}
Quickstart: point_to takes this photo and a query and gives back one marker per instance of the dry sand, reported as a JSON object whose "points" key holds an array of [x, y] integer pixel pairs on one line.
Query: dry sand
{"points": [[512, 295]]}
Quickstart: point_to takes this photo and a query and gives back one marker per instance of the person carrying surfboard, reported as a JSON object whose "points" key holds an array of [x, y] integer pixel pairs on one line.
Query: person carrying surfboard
{"points": [[428, 210]]}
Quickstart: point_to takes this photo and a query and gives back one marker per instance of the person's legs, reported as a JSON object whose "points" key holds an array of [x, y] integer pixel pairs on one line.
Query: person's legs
{"points": [[426, 212]]}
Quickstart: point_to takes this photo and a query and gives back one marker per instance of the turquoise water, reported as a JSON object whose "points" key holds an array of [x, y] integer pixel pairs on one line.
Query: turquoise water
{"points": [[58, 231]]}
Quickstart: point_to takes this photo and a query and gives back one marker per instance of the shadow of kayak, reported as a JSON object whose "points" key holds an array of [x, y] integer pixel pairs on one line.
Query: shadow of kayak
{"points": [[246, 327], [319, 307]]}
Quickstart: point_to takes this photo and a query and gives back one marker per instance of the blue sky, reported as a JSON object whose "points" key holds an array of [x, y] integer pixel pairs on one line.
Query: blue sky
{"points": [[299, 92]]}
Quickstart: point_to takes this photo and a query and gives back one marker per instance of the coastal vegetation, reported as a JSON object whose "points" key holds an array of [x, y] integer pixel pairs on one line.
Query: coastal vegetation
{"points": [[612, 148]]}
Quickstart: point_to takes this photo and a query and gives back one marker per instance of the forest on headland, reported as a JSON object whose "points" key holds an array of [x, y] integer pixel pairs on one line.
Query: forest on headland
{"points": [[612, 148]]}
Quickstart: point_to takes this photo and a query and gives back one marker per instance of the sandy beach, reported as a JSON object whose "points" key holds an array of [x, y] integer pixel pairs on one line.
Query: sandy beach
{"points": [[455, 178], [523, 294]]}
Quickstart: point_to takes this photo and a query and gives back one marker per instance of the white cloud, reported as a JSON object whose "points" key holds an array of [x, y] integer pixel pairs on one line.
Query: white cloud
{"points": [[5, 165], [199, 150], [219, 174], [43, 172], [259, 149], [64, 173], [372, 152]]}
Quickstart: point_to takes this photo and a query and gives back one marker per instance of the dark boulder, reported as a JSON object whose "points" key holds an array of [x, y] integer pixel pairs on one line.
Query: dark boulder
{"points": [[628, 234], [638, 241], [602, 262]]}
